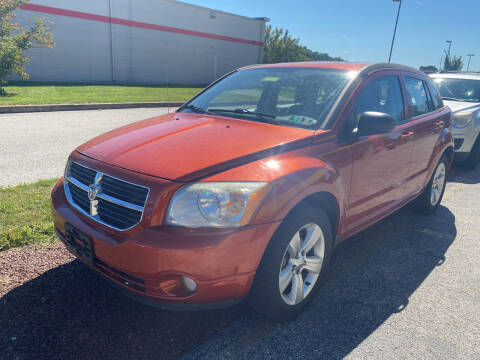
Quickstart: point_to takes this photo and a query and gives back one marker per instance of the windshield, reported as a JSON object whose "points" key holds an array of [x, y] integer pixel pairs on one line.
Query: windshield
{"points": [[459, 89], [298, 97]]}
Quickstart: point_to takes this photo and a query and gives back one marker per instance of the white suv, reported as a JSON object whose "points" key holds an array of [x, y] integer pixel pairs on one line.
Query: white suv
{"points": [[461, 91]]}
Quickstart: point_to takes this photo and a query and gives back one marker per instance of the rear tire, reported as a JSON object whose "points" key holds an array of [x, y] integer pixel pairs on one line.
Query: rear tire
{"points": [[474, 156], [293, 265], [429, 201]]}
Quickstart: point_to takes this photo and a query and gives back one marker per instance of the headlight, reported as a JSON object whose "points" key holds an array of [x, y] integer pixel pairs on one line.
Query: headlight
{"points": [[462, 119], [216, 204]]}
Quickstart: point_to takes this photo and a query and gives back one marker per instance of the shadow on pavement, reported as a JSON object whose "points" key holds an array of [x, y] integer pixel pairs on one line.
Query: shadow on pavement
{"points": [[68, 312], [460, 174]]}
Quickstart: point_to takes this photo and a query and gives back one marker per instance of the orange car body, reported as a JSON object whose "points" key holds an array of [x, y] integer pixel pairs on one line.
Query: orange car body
{"points": [[360, 181]]}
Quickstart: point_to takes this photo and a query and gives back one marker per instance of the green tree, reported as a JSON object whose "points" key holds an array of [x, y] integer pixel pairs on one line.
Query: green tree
{"points": [[14, 40], [281, 47], [454, 63], [428, 69]]}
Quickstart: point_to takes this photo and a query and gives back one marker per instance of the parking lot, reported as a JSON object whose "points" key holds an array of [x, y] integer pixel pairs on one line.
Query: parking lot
{"points": [[409, 287], [48, 138]]}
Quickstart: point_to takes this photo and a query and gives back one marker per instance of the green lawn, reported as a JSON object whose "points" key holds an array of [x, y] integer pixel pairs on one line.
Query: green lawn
{"points": [[25, 216], [37, 93]]}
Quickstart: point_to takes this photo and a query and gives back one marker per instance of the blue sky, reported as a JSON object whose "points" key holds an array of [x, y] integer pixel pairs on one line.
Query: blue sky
{"points": [[361, 30]]}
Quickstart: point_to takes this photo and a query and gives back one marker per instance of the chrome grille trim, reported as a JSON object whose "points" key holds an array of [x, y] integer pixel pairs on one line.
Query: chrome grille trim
{"points": [[69, 181]]}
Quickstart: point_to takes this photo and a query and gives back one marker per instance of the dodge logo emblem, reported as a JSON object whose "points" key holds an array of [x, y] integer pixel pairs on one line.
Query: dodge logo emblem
{"points": [[93, 190]]}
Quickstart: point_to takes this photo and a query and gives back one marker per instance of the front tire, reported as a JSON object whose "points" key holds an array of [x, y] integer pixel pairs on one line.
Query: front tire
{"points": [[474, 156], [429, 201], [293, 265]]}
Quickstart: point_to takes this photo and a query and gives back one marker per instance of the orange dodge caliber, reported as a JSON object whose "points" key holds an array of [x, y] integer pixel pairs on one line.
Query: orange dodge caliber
{"points": [[244, 191]]}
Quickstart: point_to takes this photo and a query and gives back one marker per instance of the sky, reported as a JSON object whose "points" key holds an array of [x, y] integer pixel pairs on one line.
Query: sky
{"points": [[361, 30]]}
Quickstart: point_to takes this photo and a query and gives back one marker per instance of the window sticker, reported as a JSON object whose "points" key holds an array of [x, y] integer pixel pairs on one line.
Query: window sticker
{"points": [[271, 78]]}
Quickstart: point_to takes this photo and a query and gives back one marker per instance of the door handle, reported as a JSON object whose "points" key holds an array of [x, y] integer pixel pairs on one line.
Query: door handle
{"points": [[439, 123], [407, 135]]}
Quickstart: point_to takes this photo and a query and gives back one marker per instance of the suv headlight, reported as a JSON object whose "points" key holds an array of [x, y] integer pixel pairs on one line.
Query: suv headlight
{"points": [[462, 119], [216, 204]]}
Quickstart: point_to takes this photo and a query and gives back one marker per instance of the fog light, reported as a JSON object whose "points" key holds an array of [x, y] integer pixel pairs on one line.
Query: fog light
{"points": [[189, 284]]}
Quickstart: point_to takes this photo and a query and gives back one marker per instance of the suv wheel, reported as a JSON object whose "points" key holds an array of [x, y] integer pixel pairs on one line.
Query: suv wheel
{"points": [[293, 264], [429, 201], [474, 156]]}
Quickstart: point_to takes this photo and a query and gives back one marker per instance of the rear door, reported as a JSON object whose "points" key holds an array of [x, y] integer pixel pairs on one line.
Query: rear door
{"points": [[381, 163], [427, 125]]}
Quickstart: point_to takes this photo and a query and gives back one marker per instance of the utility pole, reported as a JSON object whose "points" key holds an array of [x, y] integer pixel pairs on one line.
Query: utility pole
{"points": [[469, 58], [395, 30]]}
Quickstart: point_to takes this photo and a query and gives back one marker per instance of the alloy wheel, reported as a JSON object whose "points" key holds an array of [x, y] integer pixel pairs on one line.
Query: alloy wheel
{"points": [[438, 183], [301, 264]]}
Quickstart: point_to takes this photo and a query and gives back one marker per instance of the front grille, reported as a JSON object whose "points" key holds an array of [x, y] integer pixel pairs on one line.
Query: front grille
{"points": [[85, 175], [124, 191], [120, 203]]}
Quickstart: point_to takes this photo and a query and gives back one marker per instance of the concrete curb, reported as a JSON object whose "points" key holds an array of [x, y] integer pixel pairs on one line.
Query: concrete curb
{"points": [[73, 107]]}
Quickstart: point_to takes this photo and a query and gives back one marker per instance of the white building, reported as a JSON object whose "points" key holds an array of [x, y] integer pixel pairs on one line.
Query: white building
{"points": [[141, 41]]}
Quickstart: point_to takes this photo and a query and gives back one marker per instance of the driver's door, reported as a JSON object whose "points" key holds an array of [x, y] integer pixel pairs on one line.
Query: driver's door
{"points": [[381, 163]]}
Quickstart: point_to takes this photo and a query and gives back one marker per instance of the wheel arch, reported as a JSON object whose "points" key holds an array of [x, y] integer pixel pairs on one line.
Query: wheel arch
{"points": [[325, 201], [448, 152]]}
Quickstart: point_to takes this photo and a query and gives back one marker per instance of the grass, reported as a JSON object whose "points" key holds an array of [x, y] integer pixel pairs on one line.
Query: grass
{"points": [[25, 216], [38, 93]]}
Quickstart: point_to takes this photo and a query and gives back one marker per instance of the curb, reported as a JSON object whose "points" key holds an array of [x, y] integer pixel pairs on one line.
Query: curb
{"points": [[73, 107]]}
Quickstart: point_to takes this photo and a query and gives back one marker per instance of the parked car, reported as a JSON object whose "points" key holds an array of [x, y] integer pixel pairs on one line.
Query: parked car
{"points": [[461, 91], [246, 189]]}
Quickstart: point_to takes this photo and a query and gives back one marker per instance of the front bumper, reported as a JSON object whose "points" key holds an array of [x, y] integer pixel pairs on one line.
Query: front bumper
{"points": [[150, 262], [464, 140]]}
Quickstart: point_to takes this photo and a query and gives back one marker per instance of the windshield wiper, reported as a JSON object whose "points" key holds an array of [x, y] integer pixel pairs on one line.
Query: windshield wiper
{"points": [[452, 99], [197, 109], [247, 112]]}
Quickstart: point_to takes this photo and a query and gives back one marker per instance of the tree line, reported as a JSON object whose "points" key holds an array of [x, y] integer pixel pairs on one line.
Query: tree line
{"points": [[280, 46]]}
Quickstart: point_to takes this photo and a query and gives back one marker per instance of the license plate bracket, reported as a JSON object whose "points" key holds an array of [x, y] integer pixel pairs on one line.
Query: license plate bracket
{"points": [[79, 243]]}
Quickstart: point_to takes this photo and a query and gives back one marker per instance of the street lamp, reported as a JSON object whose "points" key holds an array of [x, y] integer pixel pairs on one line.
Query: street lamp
{"points": [[395, 30], [448, 53], [469, 58], [449, 46]]}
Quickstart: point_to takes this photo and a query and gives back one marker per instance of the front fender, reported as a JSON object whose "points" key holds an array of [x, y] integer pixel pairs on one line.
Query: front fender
{"points": [[293, 176]]}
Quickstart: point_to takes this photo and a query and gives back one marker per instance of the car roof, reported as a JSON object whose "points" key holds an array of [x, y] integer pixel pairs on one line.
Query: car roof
{"points": [[456, 76], [340, 65]]}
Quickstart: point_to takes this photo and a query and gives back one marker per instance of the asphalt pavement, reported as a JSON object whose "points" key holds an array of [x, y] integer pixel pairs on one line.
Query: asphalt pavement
{"points": [[407, 288], [35, 146]]}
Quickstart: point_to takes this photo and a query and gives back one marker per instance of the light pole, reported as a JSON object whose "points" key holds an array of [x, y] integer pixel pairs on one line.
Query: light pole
{"points": [[449, 46], [395, 30], [448, 52], [469, 58]]}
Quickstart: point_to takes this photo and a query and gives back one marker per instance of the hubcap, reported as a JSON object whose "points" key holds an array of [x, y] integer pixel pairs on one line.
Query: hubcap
{"points": [[301, 264], [438, 184]]}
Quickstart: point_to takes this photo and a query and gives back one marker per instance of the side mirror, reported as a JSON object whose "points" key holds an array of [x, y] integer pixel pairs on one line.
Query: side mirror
{"points": [[373, 123]]}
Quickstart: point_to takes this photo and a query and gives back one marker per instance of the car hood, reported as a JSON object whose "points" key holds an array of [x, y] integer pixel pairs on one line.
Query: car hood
{"points": [[457, 106], [183, 146]]}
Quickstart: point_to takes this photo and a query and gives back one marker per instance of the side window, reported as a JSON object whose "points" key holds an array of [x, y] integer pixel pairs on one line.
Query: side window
{"points": [[437, 99], [431, 106], [417, 96], [381, 95]]}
